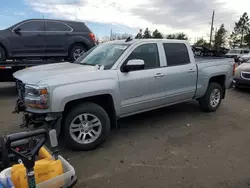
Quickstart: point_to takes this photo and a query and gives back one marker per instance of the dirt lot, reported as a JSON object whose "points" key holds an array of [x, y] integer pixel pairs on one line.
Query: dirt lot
{"points": [[178, 146]]}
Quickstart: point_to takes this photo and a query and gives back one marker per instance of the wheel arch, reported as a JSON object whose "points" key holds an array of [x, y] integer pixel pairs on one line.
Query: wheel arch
{"points": [[5, 49], [105, 101], [219, 79]]}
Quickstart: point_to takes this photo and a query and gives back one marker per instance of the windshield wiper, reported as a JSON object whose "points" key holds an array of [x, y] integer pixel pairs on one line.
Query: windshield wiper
{"points": [[87, 64]]}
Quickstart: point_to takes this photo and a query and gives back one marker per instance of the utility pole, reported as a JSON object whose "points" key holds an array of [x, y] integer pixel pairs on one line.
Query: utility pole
{"points": [[111, 35], [212, 28]]}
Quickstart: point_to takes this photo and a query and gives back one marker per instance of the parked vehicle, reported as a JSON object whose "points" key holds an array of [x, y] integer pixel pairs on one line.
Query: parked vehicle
{"points": [[201, 51], [117, 79], [242, 74], [234, 53], [45, 38]]}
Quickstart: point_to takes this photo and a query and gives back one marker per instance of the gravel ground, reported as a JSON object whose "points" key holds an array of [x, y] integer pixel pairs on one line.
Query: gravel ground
{"points": [[177, 146]]}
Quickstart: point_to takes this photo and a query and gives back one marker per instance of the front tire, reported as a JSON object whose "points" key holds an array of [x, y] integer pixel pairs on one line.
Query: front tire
{"points": [[86, 127], [211, 101], [3, 56]]}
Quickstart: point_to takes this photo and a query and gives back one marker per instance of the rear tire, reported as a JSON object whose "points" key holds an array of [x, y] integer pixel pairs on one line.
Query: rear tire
{"points": [[76, 50], [3, 56], [80, 120], [211, 101]]}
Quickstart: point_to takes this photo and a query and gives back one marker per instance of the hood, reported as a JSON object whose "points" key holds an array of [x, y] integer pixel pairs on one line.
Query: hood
{"points": [[245, 56], [244, 67], [36, 74]]}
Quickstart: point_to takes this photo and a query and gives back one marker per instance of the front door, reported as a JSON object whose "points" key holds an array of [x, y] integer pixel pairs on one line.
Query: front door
{"points": [[29, 40], [57, 38], [180, 74], [142, 89]]}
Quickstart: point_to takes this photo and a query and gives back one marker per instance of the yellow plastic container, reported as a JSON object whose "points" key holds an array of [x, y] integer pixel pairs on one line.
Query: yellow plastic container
{"points": [[45, 169], [44, 154]]}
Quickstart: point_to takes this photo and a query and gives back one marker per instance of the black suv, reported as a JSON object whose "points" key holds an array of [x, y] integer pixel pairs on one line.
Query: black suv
{"points": [[45, 38]]}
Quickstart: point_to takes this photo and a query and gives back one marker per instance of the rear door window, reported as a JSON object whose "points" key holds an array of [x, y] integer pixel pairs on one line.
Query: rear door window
{"points": [[57, 27], [176, 54]]}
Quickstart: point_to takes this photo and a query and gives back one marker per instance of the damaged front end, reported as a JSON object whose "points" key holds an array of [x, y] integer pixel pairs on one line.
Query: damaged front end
{"points": [[33, 103]]}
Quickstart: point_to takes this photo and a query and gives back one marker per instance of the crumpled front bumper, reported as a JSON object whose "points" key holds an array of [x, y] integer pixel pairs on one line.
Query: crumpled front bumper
{"points": [[38, 120]]}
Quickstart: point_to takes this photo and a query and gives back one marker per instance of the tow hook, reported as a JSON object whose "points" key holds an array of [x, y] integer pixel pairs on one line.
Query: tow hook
{"points": [[20, 107]]}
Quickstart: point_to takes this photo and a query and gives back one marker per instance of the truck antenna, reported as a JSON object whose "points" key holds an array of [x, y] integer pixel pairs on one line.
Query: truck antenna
{"points": [[128, 39]]}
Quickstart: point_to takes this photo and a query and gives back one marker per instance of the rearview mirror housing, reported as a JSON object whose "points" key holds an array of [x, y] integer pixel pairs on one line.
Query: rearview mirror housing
{"points": [[133, 64]]}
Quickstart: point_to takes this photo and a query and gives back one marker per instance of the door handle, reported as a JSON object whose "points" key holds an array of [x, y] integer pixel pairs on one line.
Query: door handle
{"points": [[158, 75], [191, 70]]}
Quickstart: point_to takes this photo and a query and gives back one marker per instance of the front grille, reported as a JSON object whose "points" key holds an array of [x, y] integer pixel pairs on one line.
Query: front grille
{"points": [[245, 75], [20, 89]]}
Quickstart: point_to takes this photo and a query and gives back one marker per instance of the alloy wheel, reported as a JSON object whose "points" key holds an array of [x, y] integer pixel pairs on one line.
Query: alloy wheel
{"points": [[85, 128]]}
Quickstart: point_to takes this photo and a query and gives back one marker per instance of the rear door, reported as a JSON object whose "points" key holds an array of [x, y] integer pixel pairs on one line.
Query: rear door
{"points": [[56, 38], [180, 75], [29, 41]]}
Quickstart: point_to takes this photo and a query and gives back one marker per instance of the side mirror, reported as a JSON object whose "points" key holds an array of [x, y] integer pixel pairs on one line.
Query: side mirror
{"points": [[17, 30], [133, 64]]}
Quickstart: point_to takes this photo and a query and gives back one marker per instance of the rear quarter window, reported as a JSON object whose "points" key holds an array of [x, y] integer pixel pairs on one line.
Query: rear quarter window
{"points": [[176, 54], [79, 27]]}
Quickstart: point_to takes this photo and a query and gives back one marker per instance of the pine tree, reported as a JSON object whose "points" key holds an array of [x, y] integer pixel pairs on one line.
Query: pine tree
{"points": [[247, 38], [202, 42], [181, 36], [157, 34], [178, 36], [171, 36], [147, 34], [241, 29], [220, 37]]}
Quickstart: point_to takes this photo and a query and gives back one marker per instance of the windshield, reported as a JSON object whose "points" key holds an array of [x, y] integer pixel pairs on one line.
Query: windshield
{"points": [[104, 54], [234, 52]]}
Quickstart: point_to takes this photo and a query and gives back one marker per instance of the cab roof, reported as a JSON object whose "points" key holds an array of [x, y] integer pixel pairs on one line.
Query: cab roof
{"points": [[133, 41]]}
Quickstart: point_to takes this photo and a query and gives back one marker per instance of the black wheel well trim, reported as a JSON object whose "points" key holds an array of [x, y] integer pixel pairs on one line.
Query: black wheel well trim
{"points": [[104, 100], [5, 49], [219, 79]]}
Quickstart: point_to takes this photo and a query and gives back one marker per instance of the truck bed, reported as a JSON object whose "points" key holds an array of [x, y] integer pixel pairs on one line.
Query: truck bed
{"points": [[212, 59], [213, 66]]}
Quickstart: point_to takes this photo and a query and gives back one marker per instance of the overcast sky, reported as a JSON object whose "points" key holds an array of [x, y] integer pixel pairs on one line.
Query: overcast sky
{"points": [[190, 16]]}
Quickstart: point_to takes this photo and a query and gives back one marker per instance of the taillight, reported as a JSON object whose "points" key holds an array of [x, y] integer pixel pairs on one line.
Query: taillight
{"points": [[92, 36], [234, 68]]}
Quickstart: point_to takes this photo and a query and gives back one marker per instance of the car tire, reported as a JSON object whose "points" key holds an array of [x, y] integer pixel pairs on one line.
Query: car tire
{"points": [[91, 135], [2, 54], [75, 51], [211, 101]]}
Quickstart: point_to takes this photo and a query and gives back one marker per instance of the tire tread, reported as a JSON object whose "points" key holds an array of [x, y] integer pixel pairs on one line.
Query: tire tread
{"points": [[205, 100]]}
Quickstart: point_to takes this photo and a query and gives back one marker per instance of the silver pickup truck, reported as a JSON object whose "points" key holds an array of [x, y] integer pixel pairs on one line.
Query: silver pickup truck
{"points": [[84, 99]]}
